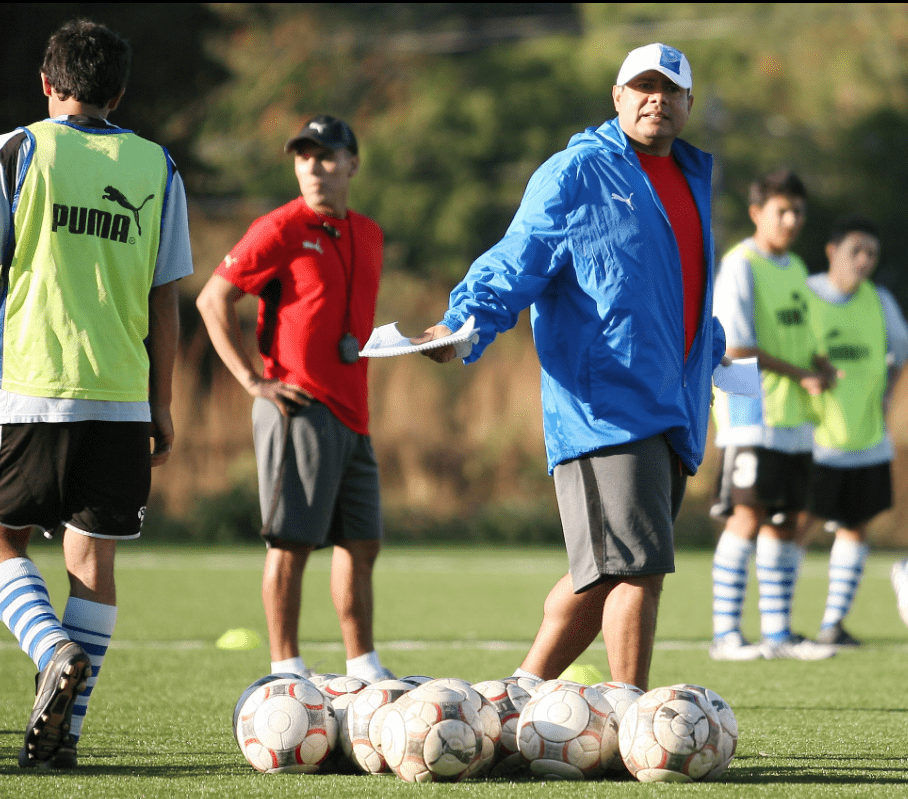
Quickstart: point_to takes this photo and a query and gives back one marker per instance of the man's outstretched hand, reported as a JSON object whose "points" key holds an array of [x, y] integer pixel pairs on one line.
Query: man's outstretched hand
{"points": [[439, 354]]}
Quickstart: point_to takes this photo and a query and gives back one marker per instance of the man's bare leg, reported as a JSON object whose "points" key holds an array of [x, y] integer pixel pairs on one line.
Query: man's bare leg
{"points": [[14, 542], [351, 592], [282, 585], [570, 623], [629, 628], [90, 564]]}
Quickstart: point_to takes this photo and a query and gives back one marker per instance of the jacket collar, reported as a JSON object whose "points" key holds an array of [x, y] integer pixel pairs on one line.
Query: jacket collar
{"points": [[610, 136]]}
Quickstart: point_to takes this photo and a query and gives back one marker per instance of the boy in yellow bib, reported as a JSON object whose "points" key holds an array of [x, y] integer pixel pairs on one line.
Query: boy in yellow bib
{"points": [[865, 335], [93, 237], [761, 300]]}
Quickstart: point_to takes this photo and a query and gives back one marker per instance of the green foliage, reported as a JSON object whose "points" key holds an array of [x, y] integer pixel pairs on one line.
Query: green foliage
{"points": [[231, 516], [446, 177], [172, 70], [454, 116], [505, 523], [457, 104]]}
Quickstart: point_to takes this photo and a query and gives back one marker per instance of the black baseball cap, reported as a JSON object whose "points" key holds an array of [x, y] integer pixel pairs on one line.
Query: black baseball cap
{"points": [[327, 131]]}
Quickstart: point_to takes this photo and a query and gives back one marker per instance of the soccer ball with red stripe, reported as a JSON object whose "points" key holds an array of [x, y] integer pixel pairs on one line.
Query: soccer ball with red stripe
{"points": [[508, 699], [567, 731], [286, 725], [433, 734], [671, 735], [361, 736]]}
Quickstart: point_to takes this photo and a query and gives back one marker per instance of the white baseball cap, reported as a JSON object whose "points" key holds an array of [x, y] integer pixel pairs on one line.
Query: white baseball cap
{"points": [[670, 62]]}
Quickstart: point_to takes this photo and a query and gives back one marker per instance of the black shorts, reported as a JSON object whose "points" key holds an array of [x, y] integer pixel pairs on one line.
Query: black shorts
{"points": [[92, 476], [618, 507], [850, 497], [757, 477]]}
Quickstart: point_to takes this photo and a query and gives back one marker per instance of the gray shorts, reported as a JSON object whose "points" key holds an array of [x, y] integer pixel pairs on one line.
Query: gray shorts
{"points": [[329, 488], [618, 506]]}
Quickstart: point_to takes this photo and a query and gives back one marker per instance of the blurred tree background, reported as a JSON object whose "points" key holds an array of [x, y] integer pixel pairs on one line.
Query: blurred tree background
{"points": [[455, 105]]}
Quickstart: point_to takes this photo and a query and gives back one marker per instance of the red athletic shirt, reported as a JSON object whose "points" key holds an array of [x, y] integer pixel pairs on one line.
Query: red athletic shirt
{"points": [[305, 277], [671, 186]]}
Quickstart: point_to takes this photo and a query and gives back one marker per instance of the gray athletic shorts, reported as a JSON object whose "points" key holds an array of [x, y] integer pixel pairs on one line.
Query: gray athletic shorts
{"points": [[329, 489], [618, 506]]}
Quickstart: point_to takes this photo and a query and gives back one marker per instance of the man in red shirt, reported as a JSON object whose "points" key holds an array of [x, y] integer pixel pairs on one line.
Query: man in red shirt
{"points": [[315, 267]]}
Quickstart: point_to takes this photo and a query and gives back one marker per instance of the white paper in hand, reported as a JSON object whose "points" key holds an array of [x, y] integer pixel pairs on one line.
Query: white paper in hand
{"points": [[387, 341], [740, 377]]}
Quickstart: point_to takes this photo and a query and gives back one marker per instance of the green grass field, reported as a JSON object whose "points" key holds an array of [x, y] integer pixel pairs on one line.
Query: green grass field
{"points": [[159, 723]]}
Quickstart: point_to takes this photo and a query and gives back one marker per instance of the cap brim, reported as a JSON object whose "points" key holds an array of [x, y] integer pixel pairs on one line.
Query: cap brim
{"points": [[623, 80]]}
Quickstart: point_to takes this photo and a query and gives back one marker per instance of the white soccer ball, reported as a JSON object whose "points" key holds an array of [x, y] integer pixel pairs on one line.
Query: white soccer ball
{"points": [[338, 762], [286, 725], [488, 717], [728, 727], [529, 684], [318, 680], [249, 690], [341, 684], [508, 699], [432, 734], [361, 735], [416, 679], [620, 695], [670, 735], [567, 731]]}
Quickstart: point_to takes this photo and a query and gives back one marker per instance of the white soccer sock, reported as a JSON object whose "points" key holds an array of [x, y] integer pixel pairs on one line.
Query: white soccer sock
{"points": [[777, 567], [846, 565], [366, 667], [290, 666], [25, 608], [91, 625], [525, 673], [730, 567]]}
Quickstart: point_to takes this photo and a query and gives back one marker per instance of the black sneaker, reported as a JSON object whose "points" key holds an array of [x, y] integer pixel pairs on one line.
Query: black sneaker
{"points": [[837, 635], [64, 758], [56, 689]]}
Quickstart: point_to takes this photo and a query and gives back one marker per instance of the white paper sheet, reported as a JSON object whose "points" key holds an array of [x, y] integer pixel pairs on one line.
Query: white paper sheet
{"points": [[387, 341]]}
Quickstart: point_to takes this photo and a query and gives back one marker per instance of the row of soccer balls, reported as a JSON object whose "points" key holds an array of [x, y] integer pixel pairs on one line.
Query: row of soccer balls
{"points": [[427, 730]]}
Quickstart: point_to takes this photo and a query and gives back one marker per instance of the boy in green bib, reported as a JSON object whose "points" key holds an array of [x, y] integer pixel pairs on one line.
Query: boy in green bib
{"points": [[93, 239], [762, 302], [861, 327]]}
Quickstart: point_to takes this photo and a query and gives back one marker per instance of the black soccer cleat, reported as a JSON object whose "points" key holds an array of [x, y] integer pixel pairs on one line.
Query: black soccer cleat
{"points": [[64, 758], [57, 687]]}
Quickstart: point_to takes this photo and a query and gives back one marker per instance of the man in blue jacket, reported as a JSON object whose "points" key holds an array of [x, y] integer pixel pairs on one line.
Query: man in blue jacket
{"points": [[612, 250]]}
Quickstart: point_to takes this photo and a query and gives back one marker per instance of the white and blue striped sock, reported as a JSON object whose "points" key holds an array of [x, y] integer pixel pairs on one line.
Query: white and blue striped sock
{"points": [[777, 568], [846, 566], [730, 567], [90, 625], [25, 608]]}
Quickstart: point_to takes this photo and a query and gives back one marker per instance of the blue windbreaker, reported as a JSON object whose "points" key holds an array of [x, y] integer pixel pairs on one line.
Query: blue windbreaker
{"points": [[592, 251]]}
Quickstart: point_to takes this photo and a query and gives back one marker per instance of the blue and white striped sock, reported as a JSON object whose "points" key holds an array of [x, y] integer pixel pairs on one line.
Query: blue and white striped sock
{"points": [[846, 566], [730, 567], [777, 568], [25, 608], [90, 625]]}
